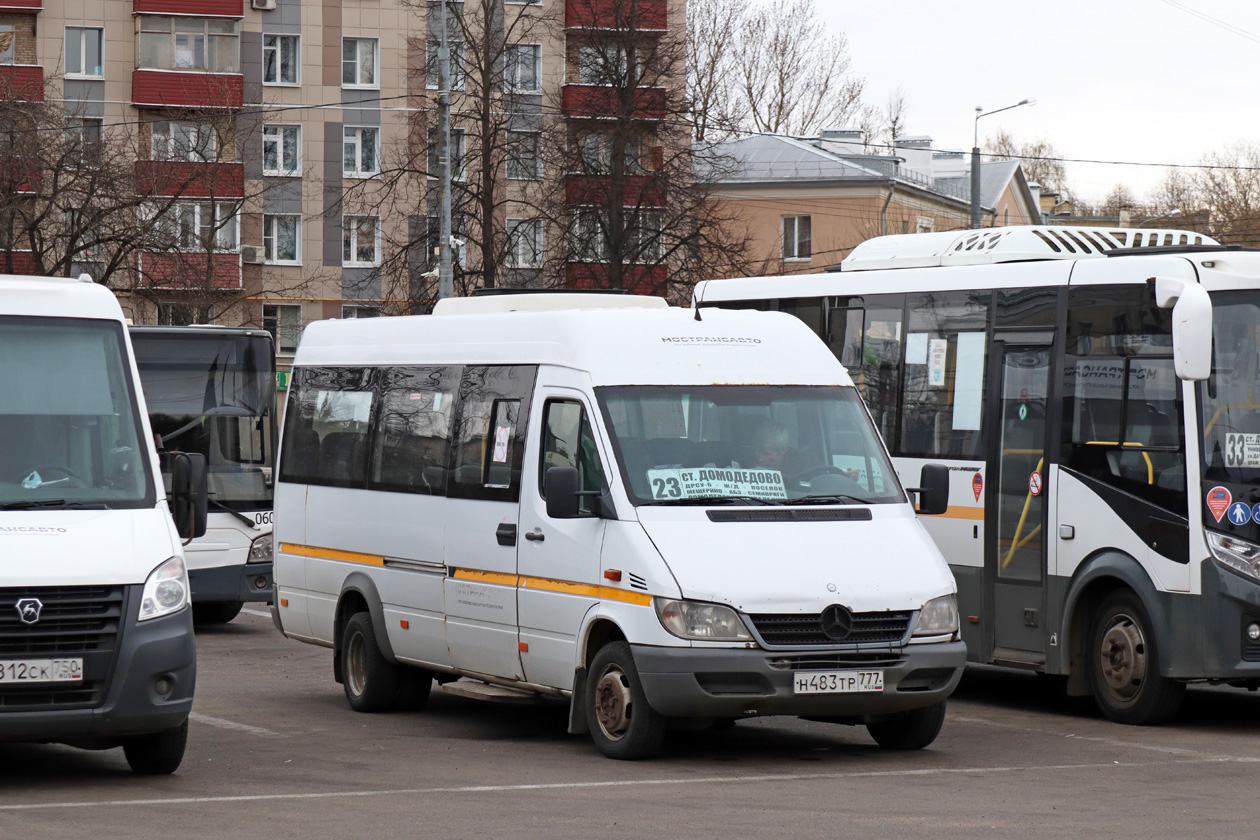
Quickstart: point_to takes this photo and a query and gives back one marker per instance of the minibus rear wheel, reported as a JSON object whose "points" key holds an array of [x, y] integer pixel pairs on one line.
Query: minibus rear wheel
{"points": [[216, 612], [912, 730], [370, 680], [622, 723], [1124, 665], [157, 754]]}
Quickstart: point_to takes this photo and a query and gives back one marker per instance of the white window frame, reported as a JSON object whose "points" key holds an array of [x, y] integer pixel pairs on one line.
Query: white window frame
{"points": [[512, 65], [91, 149], [278, 49], [793, 253], [9, 56], [227, 236], [431, 68], [352, 311], [595, 59], [151, 31], [513, 143], [356, 140], [924, 224], [457, 150], [191, 154], [278, 131], [518, 256], [350, 237], [590, 245], [270, 238], [83, 31], [279, 327], [375, 83]]}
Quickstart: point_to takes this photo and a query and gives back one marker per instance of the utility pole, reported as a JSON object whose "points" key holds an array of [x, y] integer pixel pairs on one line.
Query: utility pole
{"points": [[446, 276]]}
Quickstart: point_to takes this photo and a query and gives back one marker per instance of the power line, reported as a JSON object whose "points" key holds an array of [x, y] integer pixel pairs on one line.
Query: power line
{"points": [[1203, 16]]}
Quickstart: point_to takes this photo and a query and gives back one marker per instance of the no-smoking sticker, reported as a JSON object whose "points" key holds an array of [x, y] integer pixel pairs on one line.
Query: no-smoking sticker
{"points": [[1034, 484]]}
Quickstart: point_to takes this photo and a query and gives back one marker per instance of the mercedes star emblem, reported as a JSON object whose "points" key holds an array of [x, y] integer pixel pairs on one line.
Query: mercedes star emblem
{"points": [[837, 622]]}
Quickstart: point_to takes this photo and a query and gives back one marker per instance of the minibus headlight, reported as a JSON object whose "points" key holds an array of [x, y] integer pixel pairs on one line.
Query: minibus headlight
{"points": [[939, 617], [1241, 556], [704, 622], [166, 590], [260, 549]]}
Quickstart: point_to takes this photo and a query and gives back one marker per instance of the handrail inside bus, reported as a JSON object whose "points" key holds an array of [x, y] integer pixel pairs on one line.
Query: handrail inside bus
{"points": [[1023, 516], [1217, 416], [1150, 468]]}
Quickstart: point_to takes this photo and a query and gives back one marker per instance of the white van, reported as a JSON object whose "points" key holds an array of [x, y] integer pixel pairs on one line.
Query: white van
{"points": [[652, 515], [96, 638]]}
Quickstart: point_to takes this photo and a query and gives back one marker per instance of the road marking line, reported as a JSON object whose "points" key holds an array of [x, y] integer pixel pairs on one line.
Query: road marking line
{"points": [[711, 780], [229, 724], [1111, 742], [258, 613]]}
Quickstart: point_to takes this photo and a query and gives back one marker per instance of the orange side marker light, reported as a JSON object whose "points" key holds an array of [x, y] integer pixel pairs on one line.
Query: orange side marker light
{"points": [[523, 647], [405, 624], [284, 602], [613, 574]]}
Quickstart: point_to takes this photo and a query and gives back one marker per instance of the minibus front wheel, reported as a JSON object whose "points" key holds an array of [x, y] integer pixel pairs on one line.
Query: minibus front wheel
{"points": [[158, 754], [912, 730], [623, 725]]}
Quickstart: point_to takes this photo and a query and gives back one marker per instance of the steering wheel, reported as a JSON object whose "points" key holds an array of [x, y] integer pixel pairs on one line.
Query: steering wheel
{"points": [[815, 471], [43, 469]]}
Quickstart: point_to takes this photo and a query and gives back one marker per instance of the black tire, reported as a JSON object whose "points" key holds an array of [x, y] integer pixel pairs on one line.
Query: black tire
{"points": [[912, 730], [158, 754], [622, 724], [414, 687], [369, 679], [1124, 664], [216, 612]]}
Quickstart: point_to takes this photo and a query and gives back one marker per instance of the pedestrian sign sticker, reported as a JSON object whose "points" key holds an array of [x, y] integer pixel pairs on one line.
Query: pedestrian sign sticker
{"points": [[1218, 499], [1034, 484], [1239, 513], [977, 484]]}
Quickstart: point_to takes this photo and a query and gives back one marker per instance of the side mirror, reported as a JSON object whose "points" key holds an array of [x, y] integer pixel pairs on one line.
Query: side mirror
{"points": [[562, 486], [1192, 326], [934, 490], [189, 494]]}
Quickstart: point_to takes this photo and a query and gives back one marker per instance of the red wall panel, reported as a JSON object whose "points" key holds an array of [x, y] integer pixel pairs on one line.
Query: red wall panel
{"points": [[22, 81], [594, 101], [638, 279], [194, 180], [163, 88], [189, 271], [616, 14], [226, 8]]}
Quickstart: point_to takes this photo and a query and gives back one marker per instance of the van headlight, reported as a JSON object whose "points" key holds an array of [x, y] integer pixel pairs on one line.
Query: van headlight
{"points": [[704, 622], [939, 617], [260, 550], [166, 590], [1239, 555]]}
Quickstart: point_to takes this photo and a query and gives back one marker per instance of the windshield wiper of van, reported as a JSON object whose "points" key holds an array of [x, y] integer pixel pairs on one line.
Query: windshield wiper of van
{"points": [[53, 503], [717, 500], [831, 499], [251, 523]]}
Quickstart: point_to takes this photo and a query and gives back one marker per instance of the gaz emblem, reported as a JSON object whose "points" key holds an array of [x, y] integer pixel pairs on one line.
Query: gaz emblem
{"points": [[28, 610]]}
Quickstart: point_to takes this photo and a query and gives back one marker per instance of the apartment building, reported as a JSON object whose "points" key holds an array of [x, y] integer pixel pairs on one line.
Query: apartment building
{"points": [[285, 149]]}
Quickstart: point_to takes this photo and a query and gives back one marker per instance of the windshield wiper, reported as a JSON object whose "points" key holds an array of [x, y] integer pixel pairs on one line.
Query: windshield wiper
{"points": [[251, 523], [830, 499], [53, 503], [716, 500]]}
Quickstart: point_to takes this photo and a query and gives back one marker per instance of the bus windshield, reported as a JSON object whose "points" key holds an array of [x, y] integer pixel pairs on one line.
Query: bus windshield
{"points": [[1231, 396], [69, 420], [747, 444], [214, 394]]}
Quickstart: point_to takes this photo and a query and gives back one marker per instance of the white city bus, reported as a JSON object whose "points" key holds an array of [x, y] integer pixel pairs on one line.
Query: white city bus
{"points": [[1103, 519], [212, 390]]}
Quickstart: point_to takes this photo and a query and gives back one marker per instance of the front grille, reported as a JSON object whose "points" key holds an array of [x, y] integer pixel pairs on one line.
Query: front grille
{"points": [[807, 629], [21, 697], [74, 620], [833, 661]]}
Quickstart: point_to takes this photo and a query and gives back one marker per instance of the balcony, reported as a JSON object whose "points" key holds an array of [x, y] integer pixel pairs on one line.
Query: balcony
{"points": [[21, 5], [176, 89], [17, 262], [21, 175], [22, 82], [190, 180], [637, 279], [189, 272], [647, 15], [639, 190], [600, 102], [200, 8]]}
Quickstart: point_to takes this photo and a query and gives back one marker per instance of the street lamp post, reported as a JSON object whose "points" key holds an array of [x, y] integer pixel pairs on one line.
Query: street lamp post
{"points": [[975, 157], [1176, 211]]}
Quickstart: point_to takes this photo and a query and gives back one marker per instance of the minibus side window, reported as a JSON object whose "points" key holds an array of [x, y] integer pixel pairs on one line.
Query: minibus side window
{"points": [[413, 433], [568, 442], [326, 427], [489, 436], [878, 376]]}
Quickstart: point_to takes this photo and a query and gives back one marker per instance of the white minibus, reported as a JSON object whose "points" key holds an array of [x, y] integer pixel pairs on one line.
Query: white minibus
{"points": [[652, 515], [96, 638]]}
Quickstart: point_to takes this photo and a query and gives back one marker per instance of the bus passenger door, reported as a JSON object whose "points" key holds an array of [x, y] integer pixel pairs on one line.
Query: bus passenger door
{"points": [[1015, 556]]}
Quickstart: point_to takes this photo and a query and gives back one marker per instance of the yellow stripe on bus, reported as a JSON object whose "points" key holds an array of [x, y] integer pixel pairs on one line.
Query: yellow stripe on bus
{"points": [[552, 585], [959, 512], [333, 554]]}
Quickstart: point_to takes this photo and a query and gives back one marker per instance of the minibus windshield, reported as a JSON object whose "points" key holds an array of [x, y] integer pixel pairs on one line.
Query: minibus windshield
{"points": [[1230, 404], [753, 444], [69, 422]]}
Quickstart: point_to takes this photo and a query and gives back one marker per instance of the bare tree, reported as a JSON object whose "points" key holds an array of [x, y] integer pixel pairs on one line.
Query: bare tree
{"points": [[713, 29], [1228, 186], [1119, 198], [1041, 161], [893, 118]]}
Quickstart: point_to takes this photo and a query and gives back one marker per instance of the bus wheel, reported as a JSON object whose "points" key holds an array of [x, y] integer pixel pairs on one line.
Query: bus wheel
{"points": [[912, 730], [414, 687], [216, 612], [157, 754], [622, 723], [1124, 665], [370, 680]]}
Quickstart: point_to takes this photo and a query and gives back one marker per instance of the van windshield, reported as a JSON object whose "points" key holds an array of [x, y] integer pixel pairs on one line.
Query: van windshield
{"points": [[68, 417], [752, 444]]}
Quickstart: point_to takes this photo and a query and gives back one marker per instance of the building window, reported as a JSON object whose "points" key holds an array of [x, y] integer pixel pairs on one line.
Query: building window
{"points": [[525, 243], [281, 59], [179, 313], [457, 154], [456, 68], [282, 146], [282, 238], [83, 51], [84, 137], [924, 224], [588, 243], [83, 244], [359, 146], [523, 70], [8, 42], [199, 226], [644, 235], [171, 140], [361, 240], [348, 311], [284, 322], [359, 63], [433, 240], [603, 66], [188, 43], [524, 157], [797, 238]]}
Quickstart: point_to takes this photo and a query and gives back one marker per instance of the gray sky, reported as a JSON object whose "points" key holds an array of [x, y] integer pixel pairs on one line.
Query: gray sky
{"points": [[1135, 80]]}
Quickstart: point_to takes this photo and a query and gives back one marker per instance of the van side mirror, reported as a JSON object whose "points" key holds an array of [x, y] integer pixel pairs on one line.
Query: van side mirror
{"points": [[1192, 326], [933, 491], [562, 485], [189, 494]]}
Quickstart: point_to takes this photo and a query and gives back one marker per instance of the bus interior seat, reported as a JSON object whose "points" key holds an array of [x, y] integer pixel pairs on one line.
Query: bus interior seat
{"points": [[306, 447], [341, 456]]}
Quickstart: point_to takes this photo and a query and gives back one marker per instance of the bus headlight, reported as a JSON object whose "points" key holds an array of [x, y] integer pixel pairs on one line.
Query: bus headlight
{"points": [[939, 617], [260, 550], [704, 622], [1241, 556], [166, 590]]}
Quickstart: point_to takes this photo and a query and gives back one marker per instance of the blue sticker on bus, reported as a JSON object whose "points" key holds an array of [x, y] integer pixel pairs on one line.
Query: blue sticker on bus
{"points": [[1255, 514], [1239, 513]]}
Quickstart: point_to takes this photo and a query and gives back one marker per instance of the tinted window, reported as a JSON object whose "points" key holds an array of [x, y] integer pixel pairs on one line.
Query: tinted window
{"points": [[877, 372], [326, 427], [411, 452], [489, 435], [568, 442]]}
